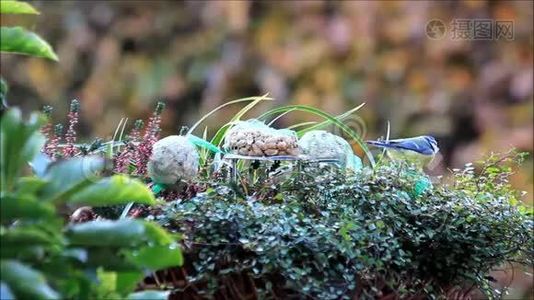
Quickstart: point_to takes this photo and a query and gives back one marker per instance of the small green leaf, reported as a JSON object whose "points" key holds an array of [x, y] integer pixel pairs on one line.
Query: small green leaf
{"points": [[158, 235], [68, 176], [158, 257], [127, 281], [118, 189], [218, 138], [25, 282], [107, 233], [20, 141], [110, 258], [29, 236], [148, 294], [40, 163], [19, 40], [107, 281], [125, 232], [29, 185], [17, 7], [24, 206]]}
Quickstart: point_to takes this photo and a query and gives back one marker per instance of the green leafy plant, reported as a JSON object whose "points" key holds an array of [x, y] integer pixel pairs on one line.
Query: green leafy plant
{"points": [[315, 231], [368, 235], [42, 257], [19, 40]]}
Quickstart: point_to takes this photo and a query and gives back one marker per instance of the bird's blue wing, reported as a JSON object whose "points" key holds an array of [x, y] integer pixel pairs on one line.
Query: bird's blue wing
{"points": [[417, 144]]}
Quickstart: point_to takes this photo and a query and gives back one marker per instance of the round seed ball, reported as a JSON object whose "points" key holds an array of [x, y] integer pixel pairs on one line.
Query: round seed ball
{"points": [[323, 144], [173, 158]]}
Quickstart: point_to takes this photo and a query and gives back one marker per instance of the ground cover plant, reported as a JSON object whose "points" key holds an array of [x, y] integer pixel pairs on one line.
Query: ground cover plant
{"points": [[383, 229]]}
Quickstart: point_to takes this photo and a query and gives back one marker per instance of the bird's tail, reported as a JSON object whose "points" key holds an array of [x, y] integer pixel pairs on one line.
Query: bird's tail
{"points": [[378, 143]]}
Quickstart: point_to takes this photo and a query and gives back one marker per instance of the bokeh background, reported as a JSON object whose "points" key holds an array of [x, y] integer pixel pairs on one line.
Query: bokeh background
{"points": [[120, 57]]}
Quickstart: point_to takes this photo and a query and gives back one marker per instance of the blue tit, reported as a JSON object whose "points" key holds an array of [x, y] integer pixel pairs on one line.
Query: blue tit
{"points": [[420, 150]]}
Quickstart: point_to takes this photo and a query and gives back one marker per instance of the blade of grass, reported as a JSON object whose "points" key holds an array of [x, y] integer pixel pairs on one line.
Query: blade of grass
{"points": [[278, 117], [221, 133], [121, 134], [117, 129], [301, 124], [388, 129], [255, 99], [126, 210], [204, 155], [114, 137], [316, 125], [328, 122], [248, 107]]}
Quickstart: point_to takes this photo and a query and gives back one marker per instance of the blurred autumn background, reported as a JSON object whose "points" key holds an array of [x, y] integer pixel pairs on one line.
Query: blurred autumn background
{"points": [[119, 57]]}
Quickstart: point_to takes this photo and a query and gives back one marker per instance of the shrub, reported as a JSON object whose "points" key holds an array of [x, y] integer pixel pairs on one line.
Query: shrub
{"points": [[44, 258], [331, 236]]}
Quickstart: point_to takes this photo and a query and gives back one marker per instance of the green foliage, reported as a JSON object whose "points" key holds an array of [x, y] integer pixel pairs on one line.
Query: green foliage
{"points": [[17, 39], [16, 7], [378, 231], [70, 176], [26, 282], [21, 41], [20, 142], [313, 231], [43, 258], [118, 189], [492, 179]]}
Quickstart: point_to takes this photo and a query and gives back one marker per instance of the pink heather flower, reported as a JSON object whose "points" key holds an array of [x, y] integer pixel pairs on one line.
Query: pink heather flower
{"points": [[126, 156], [52, 145], [144, 150], [123, 159], [70, 137], [135, 134], [136, 212], [46, 130]]}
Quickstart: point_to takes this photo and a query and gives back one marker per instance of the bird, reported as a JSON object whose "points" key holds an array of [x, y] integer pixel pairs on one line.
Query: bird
{"points": [[420, 150]]}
